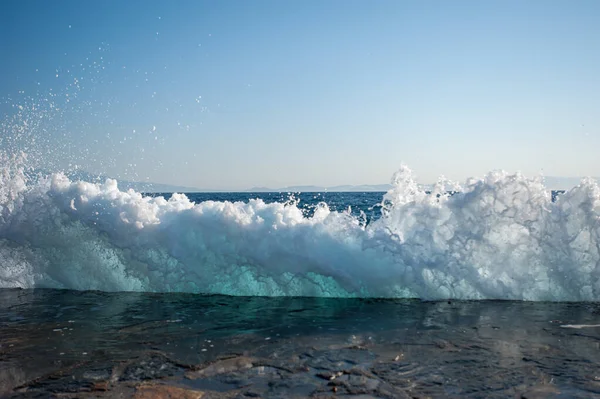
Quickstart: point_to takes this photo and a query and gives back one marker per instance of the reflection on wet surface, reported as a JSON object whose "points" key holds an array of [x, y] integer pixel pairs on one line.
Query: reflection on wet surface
{"points": [[92, 344]]}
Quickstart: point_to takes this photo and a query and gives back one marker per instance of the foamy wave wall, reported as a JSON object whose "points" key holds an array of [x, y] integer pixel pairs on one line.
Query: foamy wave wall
{"points": [[501, 238]]}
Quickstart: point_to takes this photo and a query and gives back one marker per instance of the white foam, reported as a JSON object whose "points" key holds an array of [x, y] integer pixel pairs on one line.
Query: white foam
{"points": [[580, 326], [500, 238]]}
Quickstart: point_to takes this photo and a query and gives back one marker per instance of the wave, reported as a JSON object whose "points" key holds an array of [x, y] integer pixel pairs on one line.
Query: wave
{"points": [[499, 237]]}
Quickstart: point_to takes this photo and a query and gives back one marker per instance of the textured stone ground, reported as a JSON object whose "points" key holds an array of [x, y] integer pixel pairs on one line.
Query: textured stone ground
{"points": [[86, 345]]}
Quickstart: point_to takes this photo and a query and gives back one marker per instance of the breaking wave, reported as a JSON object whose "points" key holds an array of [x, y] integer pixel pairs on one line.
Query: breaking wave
{"points": [[500, 237]]}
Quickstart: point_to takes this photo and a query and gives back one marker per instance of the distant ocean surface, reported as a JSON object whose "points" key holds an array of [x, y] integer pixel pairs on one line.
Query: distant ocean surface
{"points": [[367, 203]]}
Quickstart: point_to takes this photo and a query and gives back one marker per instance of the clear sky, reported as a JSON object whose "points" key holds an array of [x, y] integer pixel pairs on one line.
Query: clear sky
{"points": [[235, 94]]}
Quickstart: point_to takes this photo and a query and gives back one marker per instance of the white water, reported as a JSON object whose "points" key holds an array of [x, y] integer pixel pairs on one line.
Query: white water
{"points": [[501, 238]]}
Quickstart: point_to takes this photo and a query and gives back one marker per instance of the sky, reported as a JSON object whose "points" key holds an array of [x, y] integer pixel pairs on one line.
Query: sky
{"points": [[236, 94]]}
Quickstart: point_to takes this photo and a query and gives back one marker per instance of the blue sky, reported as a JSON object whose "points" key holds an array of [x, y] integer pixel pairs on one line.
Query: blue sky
{"points": [[235, 94]]}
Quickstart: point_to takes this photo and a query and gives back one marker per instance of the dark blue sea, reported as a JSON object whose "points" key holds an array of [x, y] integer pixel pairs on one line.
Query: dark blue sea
{"points": [[368, 203]]}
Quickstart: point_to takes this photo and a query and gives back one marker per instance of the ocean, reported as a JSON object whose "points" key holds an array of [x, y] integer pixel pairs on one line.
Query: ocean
{"points": [[488, 290]]}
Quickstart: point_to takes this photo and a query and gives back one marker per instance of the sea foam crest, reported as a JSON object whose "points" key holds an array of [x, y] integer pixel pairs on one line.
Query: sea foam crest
{"points": [[499, 237]]}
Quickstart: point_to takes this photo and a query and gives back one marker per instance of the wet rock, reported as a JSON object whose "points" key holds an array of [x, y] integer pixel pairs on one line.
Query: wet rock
{"points": [[359, 383], [10, 377], [540, 392], [329, 375], [100, 386], [249, 394], [436, 379], [335, 360], [397, 374], [60, 385], [444, 344], [264, 371], [165, 392], [149, 367], [221, 367], [69, 378], [97, 375], [283, 365]]}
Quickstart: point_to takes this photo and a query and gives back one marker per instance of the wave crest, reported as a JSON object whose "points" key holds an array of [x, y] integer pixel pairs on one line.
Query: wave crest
{"points": [[500, 237]]}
